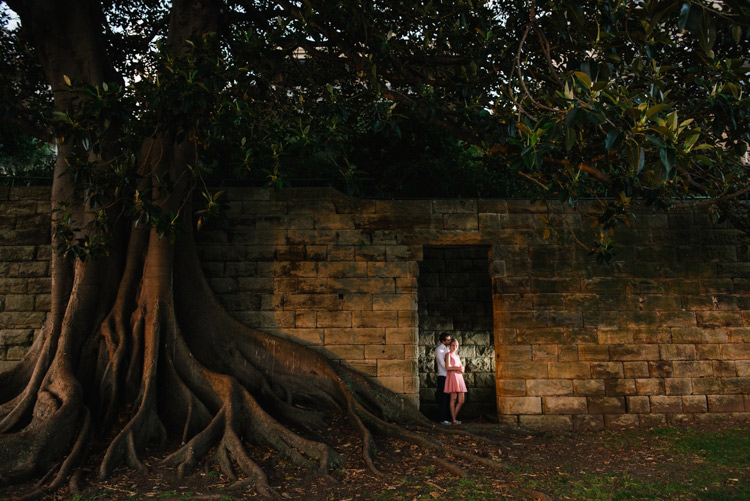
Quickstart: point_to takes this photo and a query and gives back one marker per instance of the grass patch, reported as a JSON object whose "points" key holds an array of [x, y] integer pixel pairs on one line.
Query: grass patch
{"points": [[727, 448]]}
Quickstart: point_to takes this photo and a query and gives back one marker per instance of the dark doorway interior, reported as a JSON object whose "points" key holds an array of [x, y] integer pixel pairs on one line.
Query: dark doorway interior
{"points": [[455, 296]]}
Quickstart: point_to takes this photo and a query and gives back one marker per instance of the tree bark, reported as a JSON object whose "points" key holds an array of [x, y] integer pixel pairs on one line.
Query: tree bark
{"points": [[136, 350]]}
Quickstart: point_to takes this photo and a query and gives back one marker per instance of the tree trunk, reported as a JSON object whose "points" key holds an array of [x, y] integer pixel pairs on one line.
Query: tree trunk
{"points": [[136, 348]]}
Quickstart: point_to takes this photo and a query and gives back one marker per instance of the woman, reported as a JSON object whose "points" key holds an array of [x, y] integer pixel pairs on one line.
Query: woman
{"points": [[454, 382]]}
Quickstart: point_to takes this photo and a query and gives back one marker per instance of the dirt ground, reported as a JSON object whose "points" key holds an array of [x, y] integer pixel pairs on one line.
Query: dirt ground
{"points": [[528, 466]]}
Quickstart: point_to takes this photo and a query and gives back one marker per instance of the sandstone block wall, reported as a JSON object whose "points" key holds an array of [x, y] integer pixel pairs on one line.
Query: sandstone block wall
{"points": [[24, 269], [661, 336]]}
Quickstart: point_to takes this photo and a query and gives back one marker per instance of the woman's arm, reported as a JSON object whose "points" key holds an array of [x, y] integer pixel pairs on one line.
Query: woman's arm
{"points": [[448, 364]]}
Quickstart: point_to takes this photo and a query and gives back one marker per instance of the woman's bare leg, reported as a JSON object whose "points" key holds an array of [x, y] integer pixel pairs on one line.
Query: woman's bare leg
{"points": [[457, 407], [453, 406]]}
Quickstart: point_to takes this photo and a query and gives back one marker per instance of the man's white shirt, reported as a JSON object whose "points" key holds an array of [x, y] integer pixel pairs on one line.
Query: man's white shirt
{"points": [[440, 352]]}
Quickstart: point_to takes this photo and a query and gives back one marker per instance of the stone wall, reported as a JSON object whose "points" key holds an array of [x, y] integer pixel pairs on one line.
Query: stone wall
{"points": [[24, 268], [660, 336]]}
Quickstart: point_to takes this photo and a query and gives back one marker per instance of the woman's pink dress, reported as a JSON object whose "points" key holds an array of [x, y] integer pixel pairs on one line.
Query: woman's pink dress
{"points": [[454, 382]]}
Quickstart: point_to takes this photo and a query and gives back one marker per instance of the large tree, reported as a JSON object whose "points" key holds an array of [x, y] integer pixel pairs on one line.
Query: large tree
{"points": [[640, 101]]}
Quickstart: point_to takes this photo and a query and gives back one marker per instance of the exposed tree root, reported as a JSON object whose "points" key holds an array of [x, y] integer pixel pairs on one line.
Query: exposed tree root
{"points": [[174, 368]]}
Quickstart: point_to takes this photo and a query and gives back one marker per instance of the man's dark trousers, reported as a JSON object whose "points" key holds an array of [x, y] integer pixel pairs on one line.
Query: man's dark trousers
{"points": [[443, 400]]}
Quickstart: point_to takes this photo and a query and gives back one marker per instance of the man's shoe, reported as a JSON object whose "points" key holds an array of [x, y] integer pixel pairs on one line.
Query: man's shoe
{"points": [[445, 422]]}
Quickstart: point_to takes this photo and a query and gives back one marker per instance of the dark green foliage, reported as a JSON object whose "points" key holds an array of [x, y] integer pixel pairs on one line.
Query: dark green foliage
{"points": [[638, 103]]}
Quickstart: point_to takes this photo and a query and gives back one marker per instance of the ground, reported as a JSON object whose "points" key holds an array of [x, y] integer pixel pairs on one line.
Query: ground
{"points": [[661, 463]]}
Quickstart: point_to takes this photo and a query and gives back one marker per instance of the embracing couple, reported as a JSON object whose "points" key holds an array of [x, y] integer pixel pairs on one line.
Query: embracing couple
{"points": [[451, 388]]}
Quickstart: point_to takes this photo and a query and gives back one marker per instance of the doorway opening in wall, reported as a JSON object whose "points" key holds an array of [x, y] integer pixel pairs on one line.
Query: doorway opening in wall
{"points": [[455, 296]]}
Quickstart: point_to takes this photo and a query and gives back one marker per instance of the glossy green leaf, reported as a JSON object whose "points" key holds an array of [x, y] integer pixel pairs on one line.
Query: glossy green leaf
{"points": [[668, 158], [613, 140], [656, 109], [583, 78], [572, 116]]}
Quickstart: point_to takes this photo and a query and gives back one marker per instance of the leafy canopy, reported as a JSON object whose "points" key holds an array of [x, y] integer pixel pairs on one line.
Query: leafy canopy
{"points": [[631, 102]]}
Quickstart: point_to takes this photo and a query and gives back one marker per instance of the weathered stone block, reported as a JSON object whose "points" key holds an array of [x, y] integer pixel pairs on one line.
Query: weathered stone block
{"points": [[334, 319], [519, 405], [678, 386], [397, 367], [706, 385], [677, 352], [394, 302], [652, 420], [329, 302], [560, 285], [735, 351], [651, 335], [736, 385], [635, 352], [649, 386], [355, 336], [581, 302], [567, 353], [373, 319], [635, 369], [511, 387], [348, 351], [681, 419], [564, 405], [569, 370], [16, 352], [540, 336], [521, 370], [694, 403], [392, 269], [684, 286], [622, 421], [401, 335], [697, 303], [522, 320], [588, 387], [22, 319], [606, 405], [16, 336], [588, 422], [388, 352], [726, 403], [666, 404], [615, 336], [514, 353], [542, 387], [693, 369], [606, 370], [548, 301], [708, 351], [638, 318], [709, 319], [584, 335], [545, 352], [739, 335], [725, 368], [638, 404], [549, 422], [606, 285], [666, 302], [619, 387], [567, 319], [662, 368]]}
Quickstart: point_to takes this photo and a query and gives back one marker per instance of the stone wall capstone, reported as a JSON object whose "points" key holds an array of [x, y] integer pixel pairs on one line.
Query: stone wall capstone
{"points": [[660, 336]]}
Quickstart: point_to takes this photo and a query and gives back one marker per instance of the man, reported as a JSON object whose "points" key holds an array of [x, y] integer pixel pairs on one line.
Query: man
{"points": [[443, 399]]}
